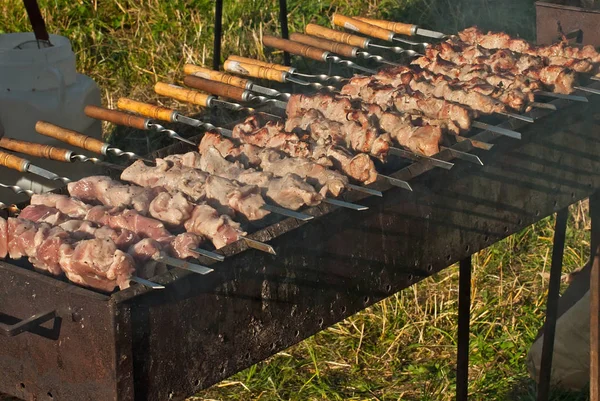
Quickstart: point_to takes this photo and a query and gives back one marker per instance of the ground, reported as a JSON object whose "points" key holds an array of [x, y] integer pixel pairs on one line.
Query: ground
{"points": [[403, 347]]}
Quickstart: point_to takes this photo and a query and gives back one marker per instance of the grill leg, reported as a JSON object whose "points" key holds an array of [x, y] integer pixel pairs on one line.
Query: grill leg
{"points": [[283, 21], [595, 299], [552, 304], [464, 318], [218, 34]]}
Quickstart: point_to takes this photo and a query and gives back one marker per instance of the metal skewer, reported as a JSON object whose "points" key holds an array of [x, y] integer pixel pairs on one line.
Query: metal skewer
{"points": [[589, 90], [354, 40], [24, 166], [292, 72], [463, 155], [338, 48], [52, 153], [312, 52], [18, 190], [191, 69], [83, 141], [402, 28], [372, 30], [146, 283]]}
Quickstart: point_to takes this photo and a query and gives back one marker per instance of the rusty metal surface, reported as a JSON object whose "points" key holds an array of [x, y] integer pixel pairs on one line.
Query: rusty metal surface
{"points": [[71, 357], [168, 344], [595, 299], [257, 304], [550, 14]]}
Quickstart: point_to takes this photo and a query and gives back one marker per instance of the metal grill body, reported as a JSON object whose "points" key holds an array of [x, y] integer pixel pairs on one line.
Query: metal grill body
{"points": [[144, 345]]}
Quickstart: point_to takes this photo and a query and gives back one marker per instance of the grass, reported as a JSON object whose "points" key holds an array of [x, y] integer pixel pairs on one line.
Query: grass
{"points": [[403, 347]]}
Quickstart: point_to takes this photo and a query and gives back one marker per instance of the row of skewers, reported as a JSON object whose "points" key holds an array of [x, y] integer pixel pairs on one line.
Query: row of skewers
{"points": [[327, 144]]}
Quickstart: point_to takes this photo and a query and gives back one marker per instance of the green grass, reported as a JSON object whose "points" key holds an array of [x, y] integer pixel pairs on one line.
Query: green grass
{"points": [[403, 347]]}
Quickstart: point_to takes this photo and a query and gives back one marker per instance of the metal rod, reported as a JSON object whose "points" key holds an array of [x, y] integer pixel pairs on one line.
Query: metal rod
{"points": [[463, 155], [552, 304], [589, 90], [147, 283], [365, 190], [464, 320], [218, 34], [540, 105], [347, 205], [182, 264], [498, 130], [209, 254], [413, 156], [287, 212], [396, 182], [172, 134], [261, 246], [518, 116], [283, 21], [562, 96], [595, 298]]}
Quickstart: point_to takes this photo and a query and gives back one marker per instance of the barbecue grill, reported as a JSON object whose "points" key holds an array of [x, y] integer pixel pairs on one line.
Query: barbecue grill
{"points": [[73, 343]]}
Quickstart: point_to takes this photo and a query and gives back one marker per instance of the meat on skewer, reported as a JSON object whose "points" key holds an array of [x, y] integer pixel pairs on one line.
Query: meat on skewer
{"points": [[95, 263], [255, 131], [270, 160], [180, 246]]}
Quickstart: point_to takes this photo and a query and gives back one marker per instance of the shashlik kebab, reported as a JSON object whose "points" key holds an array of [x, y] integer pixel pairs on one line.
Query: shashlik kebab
{"points": [[359, 167], [151, 256], [372, 30], [96, 263], [265, 208]]}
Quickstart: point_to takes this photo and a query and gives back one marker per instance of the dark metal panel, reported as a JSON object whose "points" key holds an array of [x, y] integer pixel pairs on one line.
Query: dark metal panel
{"points": [[203, 329], [550, 15], [71, 357]]}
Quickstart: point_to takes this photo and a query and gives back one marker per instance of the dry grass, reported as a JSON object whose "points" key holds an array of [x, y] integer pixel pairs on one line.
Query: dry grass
{"points": [[403, 347]]}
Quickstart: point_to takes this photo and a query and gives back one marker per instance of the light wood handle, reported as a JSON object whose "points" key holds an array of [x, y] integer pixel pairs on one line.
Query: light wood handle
{"points": [[182, 94], [116, 117], [216, 88], [295, 48], [397, 27], [146, 109], [255, 71], [228, 79], [71, 137], [331, 46], [338, 36], [13, 162], [36, 149], [274, 66], [362, 27]]}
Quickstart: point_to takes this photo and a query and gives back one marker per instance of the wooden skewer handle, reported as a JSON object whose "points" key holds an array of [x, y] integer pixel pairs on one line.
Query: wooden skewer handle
{"points": [[338, 36], [228, 79], [13, 162], [146, 109], [216, 88], [36, 149], [182, 94], [397, 27], [362, 27], [116, 117], [329, 45], [274, 66], [71, 137], [295, 48], [254, 70]]}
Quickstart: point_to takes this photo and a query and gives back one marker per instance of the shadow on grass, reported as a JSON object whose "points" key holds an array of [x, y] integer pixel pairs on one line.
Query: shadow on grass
{"points": [[526, 390]]}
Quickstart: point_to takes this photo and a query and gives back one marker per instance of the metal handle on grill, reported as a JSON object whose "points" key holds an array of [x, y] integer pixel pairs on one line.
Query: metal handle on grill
{"points": [[182, 94], [228, 79], [274, 66], [362, 27], [397, 27], [334, 47], [216, 88], [71, 137], [12, 330], [36, 149], [338, 36], [13, 162], [116, 117], [146, 109], [255, 71], [296, 48]]}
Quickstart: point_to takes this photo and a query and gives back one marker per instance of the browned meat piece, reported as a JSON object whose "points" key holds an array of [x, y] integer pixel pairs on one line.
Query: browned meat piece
{"points": [[221, 229], [423, 140], [173, 209], [72, 207]]}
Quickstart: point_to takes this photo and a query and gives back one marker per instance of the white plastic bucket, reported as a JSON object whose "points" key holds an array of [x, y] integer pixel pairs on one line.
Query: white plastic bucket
{"points": [[41, 83]]}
